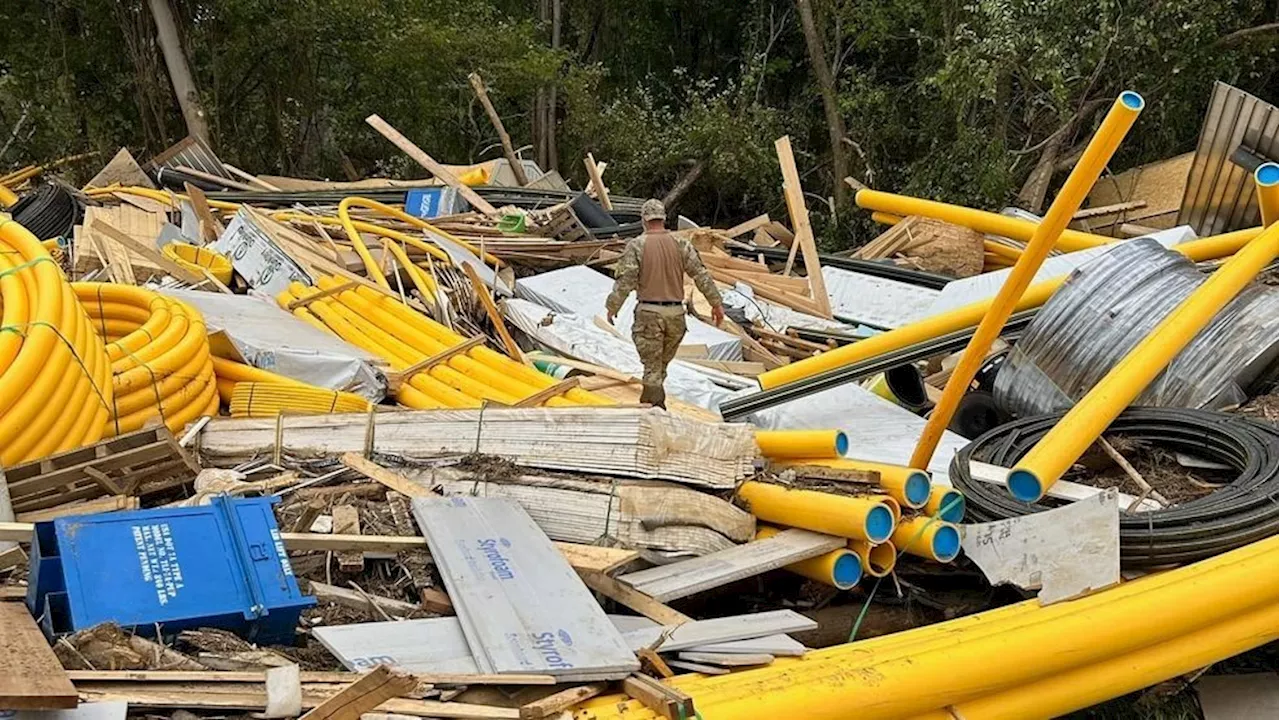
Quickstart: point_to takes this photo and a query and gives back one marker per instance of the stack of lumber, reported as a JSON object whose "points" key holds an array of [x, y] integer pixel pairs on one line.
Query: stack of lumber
{"points": [[631, 442], [788, 291]]}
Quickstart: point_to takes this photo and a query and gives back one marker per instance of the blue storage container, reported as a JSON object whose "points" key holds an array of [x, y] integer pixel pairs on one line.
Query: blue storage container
{"points": [[220, 565], [431, 202]]}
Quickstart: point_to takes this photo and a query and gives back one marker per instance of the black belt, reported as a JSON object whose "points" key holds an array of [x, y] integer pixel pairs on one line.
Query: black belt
{"points": [[661, 302]]}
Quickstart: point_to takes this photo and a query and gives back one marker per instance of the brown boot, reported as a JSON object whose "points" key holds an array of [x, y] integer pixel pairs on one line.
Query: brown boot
{"points": [[654, 395]]}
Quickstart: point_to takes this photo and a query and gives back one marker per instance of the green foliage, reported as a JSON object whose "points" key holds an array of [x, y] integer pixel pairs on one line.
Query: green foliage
{"points": [[951, 100]]}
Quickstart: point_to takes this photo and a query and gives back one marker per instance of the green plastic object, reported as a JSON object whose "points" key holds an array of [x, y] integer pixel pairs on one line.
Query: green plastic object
{"points": [[514, 223]]}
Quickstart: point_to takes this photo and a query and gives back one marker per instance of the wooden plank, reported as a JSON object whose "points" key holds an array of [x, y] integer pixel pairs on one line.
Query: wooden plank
{"points": [[89, 507], [727, 659], [211, 178], [357, 601], [364, 694], [742, 228], [593, 173], [561, 701], [689, 577], [346, 521], [666, 701], [389, 478], [594, 558], [436, 359], [210, 228], [150, 253], [632, 598], [513, 160], [499, 325], [31, 678], [213, 676], [800, 222], [435, 168], [546, 394], [321, 294], [203, 697], [250, 178], [12, 592]]}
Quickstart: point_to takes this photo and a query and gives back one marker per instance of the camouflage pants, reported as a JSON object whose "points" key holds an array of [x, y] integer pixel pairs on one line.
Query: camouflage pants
{"points": [[657, 332]]}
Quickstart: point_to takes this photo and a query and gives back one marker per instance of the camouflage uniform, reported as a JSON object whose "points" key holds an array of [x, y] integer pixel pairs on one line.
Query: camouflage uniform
{"points": [[657, 329]]}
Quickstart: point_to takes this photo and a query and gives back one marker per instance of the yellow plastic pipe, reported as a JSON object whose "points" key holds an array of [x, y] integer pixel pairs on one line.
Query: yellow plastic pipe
{"points": [[945, 503], [979, 220], [198, 259], [1267, 179], [1089, 685], [8, 198], [877, 560], [967, 316], [929, 538], [859, 518], [792, 444], [252, 399], [1099, 150], [921, 670], [885, 218], [1044, 464], [840, 568]]}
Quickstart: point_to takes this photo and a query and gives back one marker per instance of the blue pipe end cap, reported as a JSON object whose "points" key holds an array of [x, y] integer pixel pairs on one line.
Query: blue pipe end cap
{"points": [[1024, 485], [952, 506], [847, 571], [1132, 100], [946, 543], [879, 524], [917, 489], [842, 443], [1267, 174]]}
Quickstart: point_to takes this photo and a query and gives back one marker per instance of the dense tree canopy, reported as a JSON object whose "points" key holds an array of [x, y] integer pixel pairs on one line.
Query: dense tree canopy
{"points": [[956, 100]]}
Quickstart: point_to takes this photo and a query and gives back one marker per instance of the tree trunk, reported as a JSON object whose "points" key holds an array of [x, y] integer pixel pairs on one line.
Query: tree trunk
{"points": [[827, 87], [672, 198], [179, 74], [553, 152]]}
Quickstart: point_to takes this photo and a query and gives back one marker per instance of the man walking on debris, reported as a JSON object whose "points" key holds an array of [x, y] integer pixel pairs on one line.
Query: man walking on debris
{"points": [[654, 265]]}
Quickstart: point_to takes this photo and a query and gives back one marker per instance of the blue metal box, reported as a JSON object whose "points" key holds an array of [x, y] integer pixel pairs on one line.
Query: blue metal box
{"points": [[219, 565]]}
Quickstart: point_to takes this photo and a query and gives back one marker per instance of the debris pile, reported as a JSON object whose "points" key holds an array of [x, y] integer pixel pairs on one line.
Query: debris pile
{"points": [[291, 447]]}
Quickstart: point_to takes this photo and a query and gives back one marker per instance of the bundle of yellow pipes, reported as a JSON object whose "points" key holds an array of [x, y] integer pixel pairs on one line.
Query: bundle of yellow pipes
{"points": [[55, 376], [1019, 661], [392, 331], [229, 373], [265, 399], [159, 353]]}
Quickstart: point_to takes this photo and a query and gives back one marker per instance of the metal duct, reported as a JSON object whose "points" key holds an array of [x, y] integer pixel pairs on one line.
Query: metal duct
{"points": [[1107, 306]]}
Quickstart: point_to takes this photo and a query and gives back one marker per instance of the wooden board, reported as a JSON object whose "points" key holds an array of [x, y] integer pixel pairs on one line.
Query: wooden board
{"points": [[31, 678], [422, 158], [800, 222], [346, 521], [364, 694], [634, 599], [389, 478], [688, 577]]}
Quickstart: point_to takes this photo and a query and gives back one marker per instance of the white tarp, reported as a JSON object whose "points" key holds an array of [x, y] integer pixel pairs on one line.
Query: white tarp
{"points": [[876, 301], [581, 290], [270, 338], [574, 336], [958, 293]]}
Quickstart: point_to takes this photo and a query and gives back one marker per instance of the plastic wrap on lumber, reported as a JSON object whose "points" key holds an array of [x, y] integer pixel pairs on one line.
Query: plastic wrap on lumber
{"points": [[840, 568], [258, 399], [790, 444], [55, 375], [1007, 650], [199, 259], [386, 327], [860, 518], [160, 365]]}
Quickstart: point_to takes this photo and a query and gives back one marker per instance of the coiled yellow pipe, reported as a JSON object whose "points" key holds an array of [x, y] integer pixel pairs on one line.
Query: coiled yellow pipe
{"points": [[254, 399], [55, 382], [199, 259], [160, 365]]}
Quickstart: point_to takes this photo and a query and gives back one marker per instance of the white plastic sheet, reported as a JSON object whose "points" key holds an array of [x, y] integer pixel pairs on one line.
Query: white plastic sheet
{"points": [[270, 338], [876, 301], [581, 290]]}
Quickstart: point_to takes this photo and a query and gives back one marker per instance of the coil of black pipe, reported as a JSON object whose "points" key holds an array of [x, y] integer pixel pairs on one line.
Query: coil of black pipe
{"points": [[1234, 515]]}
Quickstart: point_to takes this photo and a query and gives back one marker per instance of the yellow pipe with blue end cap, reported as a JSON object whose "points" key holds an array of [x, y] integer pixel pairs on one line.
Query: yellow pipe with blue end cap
{"points": [[792, 444], [841, 568], [1267, 179], [1101, 147], [928, 538], [946, 503], [859, 518]]}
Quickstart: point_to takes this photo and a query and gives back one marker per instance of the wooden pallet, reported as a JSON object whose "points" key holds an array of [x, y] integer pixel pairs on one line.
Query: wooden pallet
{"points": [[129, 464], [562, 223]]}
